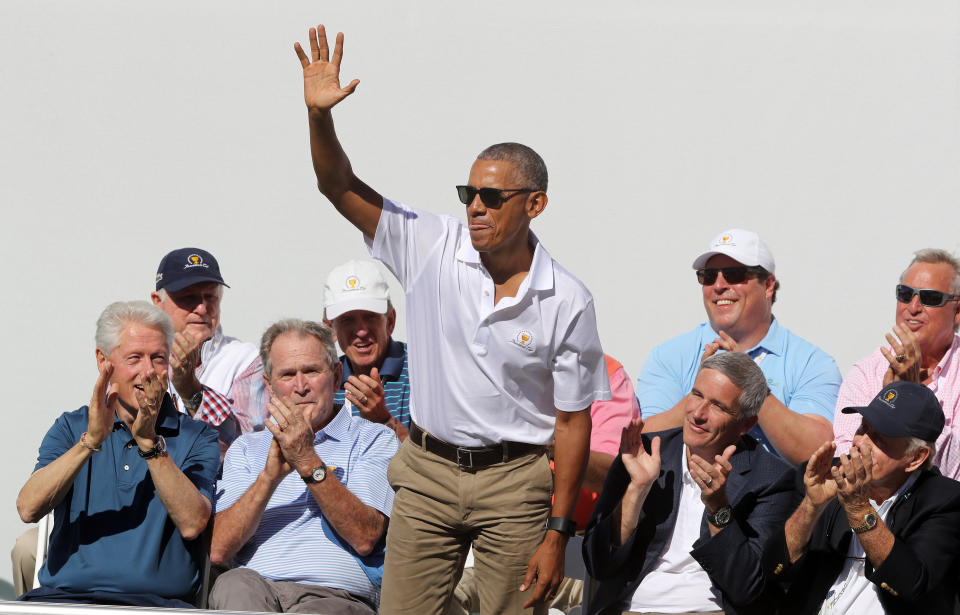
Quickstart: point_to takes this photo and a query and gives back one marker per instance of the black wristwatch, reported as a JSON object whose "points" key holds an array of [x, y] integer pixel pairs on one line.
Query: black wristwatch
{"points": [[160, 448], [317, 475], [722, 517], [562, 525]]}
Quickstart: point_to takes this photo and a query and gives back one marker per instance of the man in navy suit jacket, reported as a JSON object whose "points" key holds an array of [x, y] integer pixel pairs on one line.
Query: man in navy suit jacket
{"points": [[683, 515]]}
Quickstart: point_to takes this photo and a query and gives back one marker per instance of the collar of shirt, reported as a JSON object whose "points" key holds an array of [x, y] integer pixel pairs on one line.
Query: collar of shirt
{"points": [[339, 428], [167, 421], [210, 347], [773, 342], [540, 276], [391, 368]]}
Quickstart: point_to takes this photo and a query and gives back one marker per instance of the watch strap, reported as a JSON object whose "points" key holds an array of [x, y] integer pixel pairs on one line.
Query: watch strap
{"points": [[158, 449], [562, 525], [869, 522], [721, 517]]}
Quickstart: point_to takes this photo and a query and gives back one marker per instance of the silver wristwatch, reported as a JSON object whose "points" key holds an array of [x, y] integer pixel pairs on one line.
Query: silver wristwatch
{"points": [[317, 475]]}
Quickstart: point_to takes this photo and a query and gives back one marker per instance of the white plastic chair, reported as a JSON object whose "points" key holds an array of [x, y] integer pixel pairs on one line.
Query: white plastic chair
{"points": [[44, 527]]}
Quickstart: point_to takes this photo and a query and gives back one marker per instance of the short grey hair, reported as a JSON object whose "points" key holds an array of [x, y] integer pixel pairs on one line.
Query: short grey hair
{"points": [[913, 444], [119, 315], [530, 167], [302, 328], [935, 256], [745, 374]]}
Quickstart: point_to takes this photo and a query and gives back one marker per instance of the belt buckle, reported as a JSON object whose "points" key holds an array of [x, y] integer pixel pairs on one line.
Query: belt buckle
{"points": [[464, 454]]}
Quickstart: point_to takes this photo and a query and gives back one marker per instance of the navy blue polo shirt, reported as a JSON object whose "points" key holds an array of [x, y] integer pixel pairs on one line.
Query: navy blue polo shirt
{"points": [[395, 380], [111, 532]]}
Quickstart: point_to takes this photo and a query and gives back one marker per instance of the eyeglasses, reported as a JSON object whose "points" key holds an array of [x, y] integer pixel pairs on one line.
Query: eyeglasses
{"points": [[491, 197], [733, 275], [928, 296]]}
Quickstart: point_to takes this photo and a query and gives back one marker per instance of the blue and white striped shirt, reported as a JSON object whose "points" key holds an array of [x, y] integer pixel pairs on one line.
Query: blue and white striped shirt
{"points": [[290, 544], [395, 380]]}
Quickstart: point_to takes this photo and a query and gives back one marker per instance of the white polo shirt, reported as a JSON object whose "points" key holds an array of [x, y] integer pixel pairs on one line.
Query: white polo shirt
{"points": [[480, 373]]}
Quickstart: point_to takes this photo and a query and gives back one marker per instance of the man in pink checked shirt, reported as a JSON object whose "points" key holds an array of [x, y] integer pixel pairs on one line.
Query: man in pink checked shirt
{"points": [[923, 348]]}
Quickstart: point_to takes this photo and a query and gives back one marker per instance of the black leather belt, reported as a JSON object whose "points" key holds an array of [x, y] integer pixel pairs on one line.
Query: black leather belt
{"points": [[472, 457]]}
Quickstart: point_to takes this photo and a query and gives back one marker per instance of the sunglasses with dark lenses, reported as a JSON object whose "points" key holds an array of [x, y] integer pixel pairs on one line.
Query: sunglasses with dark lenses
{"points": [[490, 197], [928, 296], [733, 275]]}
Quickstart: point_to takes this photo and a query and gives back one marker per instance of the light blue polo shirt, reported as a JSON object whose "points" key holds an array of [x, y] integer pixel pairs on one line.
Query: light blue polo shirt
{"points": [[799, 374], [112, 532], [290, 543]]}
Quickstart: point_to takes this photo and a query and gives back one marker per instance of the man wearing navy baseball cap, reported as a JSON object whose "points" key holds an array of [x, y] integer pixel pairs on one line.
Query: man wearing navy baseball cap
{"points": [[213, 377], [878, 530]]}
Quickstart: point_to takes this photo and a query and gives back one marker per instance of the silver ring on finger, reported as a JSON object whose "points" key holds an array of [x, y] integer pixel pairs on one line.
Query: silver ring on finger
{"points": [[901, 358], [709, 481], [363, 400]]}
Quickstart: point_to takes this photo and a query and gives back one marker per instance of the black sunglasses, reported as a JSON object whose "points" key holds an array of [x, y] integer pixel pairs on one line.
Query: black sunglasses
{"points": [[733, 275], [491, 197], [928, 296]]}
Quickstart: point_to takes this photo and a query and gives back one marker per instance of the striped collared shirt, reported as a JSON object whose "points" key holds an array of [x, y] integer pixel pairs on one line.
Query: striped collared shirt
{"points": [[289, 543]]}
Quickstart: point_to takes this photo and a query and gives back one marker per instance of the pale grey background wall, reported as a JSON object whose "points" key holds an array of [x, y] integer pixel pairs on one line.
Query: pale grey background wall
{"points": [[128, 129]]}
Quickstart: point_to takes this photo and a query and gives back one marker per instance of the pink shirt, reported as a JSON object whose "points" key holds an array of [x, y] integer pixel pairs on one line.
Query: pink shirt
{"points": [[865, 380], [609, 418]]}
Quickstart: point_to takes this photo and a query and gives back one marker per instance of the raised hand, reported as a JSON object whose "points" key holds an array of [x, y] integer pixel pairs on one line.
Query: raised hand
{"points": [[184, 358], [642, 466], [153, 387], [366, 394], [277, 467], [293, 435], [100, 416], [821, 487], [321, 72], [853, 477], [905, 358], [712, 477]]}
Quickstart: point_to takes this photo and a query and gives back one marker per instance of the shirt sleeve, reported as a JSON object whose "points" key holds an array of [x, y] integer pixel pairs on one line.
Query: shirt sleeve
{"points": [[856, 390], [610, 417], [579, 368], [660, 384], [203, 461], [405, 239], [236, 478], [247, 394], [368, 477], [58, 440], [817, 384]]}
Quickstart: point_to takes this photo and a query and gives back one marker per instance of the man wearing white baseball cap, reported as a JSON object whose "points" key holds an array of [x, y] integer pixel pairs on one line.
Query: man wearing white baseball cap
{"points": [[737, 275], [356, 304]]}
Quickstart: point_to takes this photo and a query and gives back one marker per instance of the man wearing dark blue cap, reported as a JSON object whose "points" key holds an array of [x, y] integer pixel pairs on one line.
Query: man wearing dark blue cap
{"points": [[878, 530], [215, 378]]}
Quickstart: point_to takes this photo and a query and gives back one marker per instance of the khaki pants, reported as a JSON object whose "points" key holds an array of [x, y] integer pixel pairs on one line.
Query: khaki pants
{"points": [[465, 600], [24, 556], [440, 510]]}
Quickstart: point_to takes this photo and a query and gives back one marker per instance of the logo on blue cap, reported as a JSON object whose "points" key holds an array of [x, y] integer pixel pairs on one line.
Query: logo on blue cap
{"points": [[888, 398]]}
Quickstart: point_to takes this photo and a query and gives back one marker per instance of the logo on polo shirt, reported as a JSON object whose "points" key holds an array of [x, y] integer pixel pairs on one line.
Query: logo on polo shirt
{"points": [[352, 283], [195, 260], [524, 339], [888, 397]]}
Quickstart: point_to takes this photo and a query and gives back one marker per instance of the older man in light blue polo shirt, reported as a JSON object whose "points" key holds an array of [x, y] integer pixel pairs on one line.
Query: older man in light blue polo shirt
{"points": [[303, 507], [737, 274]]}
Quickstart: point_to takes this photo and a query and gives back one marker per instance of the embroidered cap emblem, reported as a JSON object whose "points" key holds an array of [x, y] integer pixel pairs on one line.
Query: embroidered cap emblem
{"points": [[888, 397], [195, 260], [352, 283]]}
